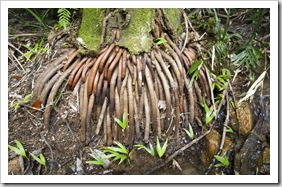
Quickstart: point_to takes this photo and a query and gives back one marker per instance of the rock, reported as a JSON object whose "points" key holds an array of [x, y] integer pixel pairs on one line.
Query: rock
{"points": [[212, 143], [228, 144], [250, 156], [14, 167], [244, 115]]}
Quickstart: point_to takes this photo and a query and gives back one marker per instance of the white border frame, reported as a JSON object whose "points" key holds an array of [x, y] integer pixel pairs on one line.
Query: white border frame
{"points": [[273, 178]]}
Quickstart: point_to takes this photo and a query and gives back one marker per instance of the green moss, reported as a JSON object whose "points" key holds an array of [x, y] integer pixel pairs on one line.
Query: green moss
{"points": [[136, 36], [173, 16], [91, 28]]}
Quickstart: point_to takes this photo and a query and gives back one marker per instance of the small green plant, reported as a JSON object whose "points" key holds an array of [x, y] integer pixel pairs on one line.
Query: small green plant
{"points": [[159, 41], [119, 152], [122, 123], [19, 149], [221, 84], [228, 129], [190, 132], [64, 17], [36, 50], [195, 69], [209, 112], [26, 99], [223, 161], [97, 161], [161, 150], [41, 159], [150, 150]]}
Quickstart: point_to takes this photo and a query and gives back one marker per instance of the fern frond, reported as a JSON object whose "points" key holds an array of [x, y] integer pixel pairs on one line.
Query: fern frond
{"points": [[64, 17]]}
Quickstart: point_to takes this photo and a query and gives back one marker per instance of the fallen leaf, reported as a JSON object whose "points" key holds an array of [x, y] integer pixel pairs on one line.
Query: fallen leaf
{"points": [[36, 104]]}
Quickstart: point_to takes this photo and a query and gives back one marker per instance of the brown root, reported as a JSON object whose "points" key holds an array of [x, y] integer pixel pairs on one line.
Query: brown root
{"points": [[101, 117], [47, 88], [70, 59], [131, 112], [147, 116], [52, 94], [105, 57]]}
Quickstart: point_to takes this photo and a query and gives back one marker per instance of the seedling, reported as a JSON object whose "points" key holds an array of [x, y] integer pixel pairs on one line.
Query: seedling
{"points": [[97, 161], [195, 69], [224, 162], [161, 150], [228, 129], [209, 112], [150, 150], [20, 150], [122, 123], [119, 153], [37, 49], [159, 41], [190, 132], [26, 99], [41, 159]]}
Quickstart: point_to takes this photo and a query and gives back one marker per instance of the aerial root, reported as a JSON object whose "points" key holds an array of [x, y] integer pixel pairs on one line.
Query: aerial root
{"points": [[152, 90]]}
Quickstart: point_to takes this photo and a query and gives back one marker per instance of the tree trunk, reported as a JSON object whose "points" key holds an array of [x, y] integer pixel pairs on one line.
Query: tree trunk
{"points": [[137, 28]]}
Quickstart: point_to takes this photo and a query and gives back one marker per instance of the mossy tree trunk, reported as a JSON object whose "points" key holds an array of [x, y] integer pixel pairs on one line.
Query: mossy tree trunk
{"points": [[137, 27]]}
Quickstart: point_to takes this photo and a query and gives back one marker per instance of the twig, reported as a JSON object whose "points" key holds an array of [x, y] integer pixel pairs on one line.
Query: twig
{"points": [[254, 87], [17, 62], [11, 45], [213, 55], [69, 128], [210, 85], [180, 151], [42, 136]]}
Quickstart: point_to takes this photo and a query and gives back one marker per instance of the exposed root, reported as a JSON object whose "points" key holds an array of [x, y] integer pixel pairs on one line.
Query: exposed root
{"points": [[151, 89], [52, 94]]}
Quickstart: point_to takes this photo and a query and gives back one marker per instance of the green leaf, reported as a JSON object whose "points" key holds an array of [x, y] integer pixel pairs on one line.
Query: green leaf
{"points": [[21, 148], [195, 66], [124, 119], [16, 150], [36, 15], [122, 147], [228, 129], [150, 150], [161, 150], [40, 160], [97, 161], [27, 98], [190, 132], [122, 123], [159, 41], [209, 113], [223, 160], [64, 17], [195, 76]]}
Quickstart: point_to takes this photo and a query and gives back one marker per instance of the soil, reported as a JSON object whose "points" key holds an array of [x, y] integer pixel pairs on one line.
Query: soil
{"points": [[61, 145]]}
